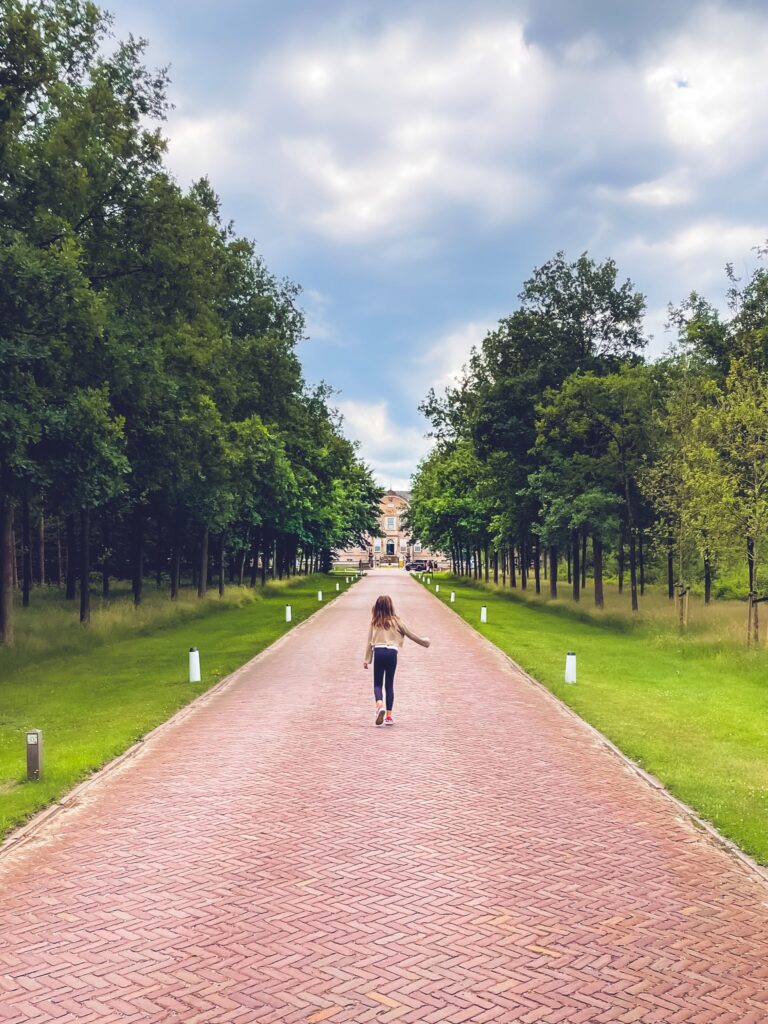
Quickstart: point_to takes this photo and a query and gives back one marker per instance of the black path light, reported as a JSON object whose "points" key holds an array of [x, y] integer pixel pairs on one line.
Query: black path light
{"points": [[34, 754]]}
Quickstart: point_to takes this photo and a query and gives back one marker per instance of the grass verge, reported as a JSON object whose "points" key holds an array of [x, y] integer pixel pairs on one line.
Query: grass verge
{"points": [[691, 710], [116, 682]]}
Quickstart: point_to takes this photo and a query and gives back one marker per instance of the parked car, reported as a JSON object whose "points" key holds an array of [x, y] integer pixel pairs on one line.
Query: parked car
{"points": [[418, 566]]}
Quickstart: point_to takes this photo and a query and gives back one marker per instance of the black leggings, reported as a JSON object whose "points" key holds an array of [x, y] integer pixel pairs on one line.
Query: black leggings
{"points": [[384, 665]]}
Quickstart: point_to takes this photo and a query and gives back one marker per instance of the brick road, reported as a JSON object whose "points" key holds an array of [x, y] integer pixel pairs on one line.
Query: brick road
{"points": [[275, 857]]}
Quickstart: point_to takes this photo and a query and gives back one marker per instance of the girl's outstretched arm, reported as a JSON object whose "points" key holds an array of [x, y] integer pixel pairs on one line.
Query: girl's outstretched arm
{"points": [[424, 641]]}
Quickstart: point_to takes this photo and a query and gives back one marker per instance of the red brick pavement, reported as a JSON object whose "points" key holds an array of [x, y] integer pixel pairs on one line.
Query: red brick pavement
{"points": [[275, 857]]}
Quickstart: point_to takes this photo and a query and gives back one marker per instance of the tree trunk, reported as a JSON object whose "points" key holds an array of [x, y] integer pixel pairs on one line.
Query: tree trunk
{"points": [[537, 565], [265, 556], [568, 574], [707, 578], [503, 567], [41, 549], [523, 564], [487, 565], [670, 571], [584, 561], [241, 566], [71, 586], [496, 567], [85, 566], [60, 563], [26, 552], [159, 553], [641, 558], [255, 555], [576, 569], [554, 557], [752, 607], [633, 569], [512, 567], [221, 564], [621, 559], [202, 577], [106, 540], [7, 556], [175, 555], [137, 555], [597, 558]]}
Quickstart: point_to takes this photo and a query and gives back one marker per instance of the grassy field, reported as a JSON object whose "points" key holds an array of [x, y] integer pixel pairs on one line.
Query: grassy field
{"points": [[94, 692], [691, 709]]}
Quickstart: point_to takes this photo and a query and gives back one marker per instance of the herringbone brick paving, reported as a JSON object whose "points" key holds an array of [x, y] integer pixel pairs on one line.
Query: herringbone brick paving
{"points": [[276, 858]]}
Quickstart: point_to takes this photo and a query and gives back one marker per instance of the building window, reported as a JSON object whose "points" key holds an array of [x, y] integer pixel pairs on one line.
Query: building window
{"points": [[391, 522], [377, 545], [417, 547]]}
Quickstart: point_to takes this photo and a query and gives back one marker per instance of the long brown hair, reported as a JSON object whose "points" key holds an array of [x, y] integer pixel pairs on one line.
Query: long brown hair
{"points": [[383, 613]]}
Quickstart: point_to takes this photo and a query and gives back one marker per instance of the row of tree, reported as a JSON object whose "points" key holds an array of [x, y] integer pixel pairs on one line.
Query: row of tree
{"points": [[151, 399], [560, 444]]}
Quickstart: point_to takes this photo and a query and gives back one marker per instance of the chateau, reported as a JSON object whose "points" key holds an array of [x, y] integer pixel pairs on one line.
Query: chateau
{"points": [[396, 546]]}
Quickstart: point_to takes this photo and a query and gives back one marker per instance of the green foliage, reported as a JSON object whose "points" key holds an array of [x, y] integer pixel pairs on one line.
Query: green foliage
{"points": [[148, 366]]}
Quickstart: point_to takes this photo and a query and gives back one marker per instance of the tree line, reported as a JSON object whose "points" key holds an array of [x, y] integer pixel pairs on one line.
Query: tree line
{"points": [[153, 413], [562, 449]]}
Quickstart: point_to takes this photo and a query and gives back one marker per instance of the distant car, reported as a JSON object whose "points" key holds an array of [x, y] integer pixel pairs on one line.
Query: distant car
{"points": [[418, 566]]}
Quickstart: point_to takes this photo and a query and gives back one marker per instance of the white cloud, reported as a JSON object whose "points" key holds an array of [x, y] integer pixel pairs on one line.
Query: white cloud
{"points": [[441, 365], [382, 139], [710, 86], [368, 138], [392, 451]]}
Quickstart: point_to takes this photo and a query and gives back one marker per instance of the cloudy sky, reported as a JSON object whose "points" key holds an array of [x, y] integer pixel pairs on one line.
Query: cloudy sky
{"points": [[409, 163]]}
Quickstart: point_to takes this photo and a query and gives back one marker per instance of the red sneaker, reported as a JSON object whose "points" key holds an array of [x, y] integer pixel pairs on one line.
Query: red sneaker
{"points": [[389, 720]]}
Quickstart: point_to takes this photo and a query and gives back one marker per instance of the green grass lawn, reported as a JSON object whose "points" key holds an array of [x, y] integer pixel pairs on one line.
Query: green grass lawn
{"points": [[693, 710], [94, 692]]}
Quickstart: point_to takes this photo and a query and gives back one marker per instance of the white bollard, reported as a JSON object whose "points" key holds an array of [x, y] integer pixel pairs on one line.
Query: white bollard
{"points": [[337, 586], [437, 588], [453, 597], [570, 667], [483, 614], [319, 595], [288, 613], [346, 579], [194, 665]]}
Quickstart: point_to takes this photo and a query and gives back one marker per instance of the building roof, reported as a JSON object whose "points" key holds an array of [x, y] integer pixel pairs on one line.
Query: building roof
{"points": [[405, 495]]}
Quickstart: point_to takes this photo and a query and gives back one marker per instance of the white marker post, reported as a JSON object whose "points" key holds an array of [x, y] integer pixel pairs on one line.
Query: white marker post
{"points": [[453, 597], [483, 614], [437, 588], [194, 665], [570, 667], [319, 595], [337, 586], [288, 613]]}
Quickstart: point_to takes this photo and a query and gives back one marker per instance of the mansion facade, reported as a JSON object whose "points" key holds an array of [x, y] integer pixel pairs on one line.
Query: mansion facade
{"points": [[395, 547]]}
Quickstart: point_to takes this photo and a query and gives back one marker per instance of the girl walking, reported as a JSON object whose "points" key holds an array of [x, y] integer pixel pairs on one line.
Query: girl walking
{"points": [[385, 638]]}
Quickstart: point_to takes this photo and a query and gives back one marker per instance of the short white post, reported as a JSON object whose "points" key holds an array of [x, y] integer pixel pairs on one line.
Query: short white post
{"points": [[453, 597], [570, 667], [437, 588], [194, 665], [319, 595], [483, 613], [346, 579], [288, 613], [337, 586]]}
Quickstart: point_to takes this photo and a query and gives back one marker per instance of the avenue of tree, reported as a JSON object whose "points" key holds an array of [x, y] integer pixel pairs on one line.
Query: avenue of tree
{"points": [[561, 446], [153, 414]]}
